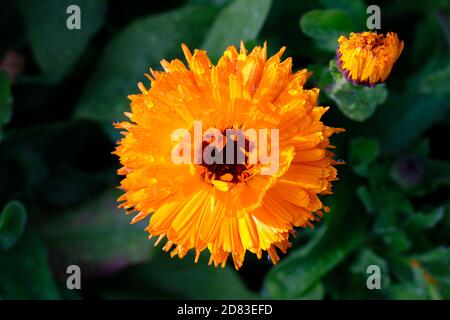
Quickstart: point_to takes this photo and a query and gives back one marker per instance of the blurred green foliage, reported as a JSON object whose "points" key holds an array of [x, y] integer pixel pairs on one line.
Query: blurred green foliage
{"points": [[62, 89], [103, 99], [5, 101], [12, 224], [55, 49]]}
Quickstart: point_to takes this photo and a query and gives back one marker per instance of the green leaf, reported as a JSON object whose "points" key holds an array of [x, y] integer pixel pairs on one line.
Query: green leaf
{"points": [[424, 282], [431, 271], [386, 221], [301, 271], [355, 8], [366, 258], [218, 3], [241, 20], [24, 271], [356, 102], [406, 291], [438, 173], [434, 255], [97, 236], [12, 224], [397, 240], [140, 46], [363, 152], [167, 277], [366, 198], [423, 221], [317, 292], [436, 82], [404, 118], [293, 277], [326, 26], [5, 100], [429, 41], [55, 47]]}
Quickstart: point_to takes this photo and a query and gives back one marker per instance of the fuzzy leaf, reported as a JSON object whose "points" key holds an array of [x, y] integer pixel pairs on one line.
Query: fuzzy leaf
{"points": [[356, 102]]}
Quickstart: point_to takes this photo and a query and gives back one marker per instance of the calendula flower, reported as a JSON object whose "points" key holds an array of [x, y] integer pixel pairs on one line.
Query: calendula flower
{"points": [[226, 209], [367, 58]]}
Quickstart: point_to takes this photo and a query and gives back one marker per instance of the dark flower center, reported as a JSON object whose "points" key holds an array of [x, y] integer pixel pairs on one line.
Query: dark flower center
{"points": [[234, 172]]}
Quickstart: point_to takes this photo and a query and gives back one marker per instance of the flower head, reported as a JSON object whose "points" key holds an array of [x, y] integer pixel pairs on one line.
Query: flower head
{"points": [[226, 209], [367, 58]]}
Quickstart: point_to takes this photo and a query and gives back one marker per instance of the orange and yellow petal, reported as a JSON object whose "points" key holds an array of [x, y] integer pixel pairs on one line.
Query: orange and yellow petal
{"points": [[367, 58], [225, 214]]}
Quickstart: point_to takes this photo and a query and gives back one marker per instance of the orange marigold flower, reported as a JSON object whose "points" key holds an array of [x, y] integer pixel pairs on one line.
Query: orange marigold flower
{"points": [[226, 209], [367, 58]]}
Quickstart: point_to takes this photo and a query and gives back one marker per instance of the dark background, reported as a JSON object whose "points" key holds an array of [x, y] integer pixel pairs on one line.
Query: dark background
{"points": [[61, 90]]}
